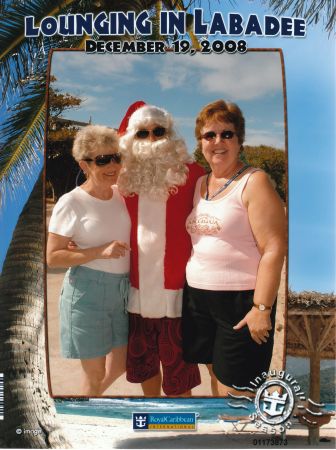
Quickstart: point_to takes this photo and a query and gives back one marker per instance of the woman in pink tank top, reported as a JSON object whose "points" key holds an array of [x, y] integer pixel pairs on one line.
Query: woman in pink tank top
{"points": [[238, 233]]}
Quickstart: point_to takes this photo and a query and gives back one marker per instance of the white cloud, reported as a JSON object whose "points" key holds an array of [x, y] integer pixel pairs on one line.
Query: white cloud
{"points": [[279, 124], [256, 137], [170, 78], [185, 121], [91, 103], [96, 63], [236, 77]]}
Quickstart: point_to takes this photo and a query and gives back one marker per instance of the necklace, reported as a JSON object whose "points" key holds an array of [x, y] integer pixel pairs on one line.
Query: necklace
{"points": [[222, 188]]}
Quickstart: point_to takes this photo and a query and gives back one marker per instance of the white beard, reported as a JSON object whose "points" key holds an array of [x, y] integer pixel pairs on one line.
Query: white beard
{"points": [[153, 168]]}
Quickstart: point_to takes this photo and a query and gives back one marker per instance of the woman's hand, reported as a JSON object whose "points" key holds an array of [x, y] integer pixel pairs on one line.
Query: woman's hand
{"points": [[63, 252], [259, 324], [114, 249]]}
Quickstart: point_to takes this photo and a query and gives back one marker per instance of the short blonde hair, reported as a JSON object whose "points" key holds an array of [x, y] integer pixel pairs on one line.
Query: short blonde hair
{"points": [[92, 136]]}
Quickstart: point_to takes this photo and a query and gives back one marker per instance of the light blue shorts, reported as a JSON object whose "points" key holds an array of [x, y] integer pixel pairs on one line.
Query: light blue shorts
{"points": [[93, 316]]}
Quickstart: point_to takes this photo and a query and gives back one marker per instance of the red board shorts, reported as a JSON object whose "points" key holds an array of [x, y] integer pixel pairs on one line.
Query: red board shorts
{"points": [[152, 341]]}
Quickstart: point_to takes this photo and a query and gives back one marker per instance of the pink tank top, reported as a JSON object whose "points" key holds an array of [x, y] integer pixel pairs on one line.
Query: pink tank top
{"points": [[225, 256]]}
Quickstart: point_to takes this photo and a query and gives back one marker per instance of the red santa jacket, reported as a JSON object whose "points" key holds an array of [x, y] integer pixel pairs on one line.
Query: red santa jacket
{"points": [[160, 249]]}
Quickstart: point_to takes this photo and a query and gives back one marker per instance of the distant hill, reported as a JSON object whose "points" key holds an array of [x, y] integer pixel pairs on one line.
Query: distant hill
{"points": [[328, 391], [296, 365]]}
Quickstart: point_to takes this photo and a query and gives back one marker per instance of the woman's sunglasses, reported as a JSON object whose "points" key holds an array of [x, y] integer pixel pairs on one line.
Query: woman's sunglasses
{"points": [[103, 160], [211, 135], [157, 132]]}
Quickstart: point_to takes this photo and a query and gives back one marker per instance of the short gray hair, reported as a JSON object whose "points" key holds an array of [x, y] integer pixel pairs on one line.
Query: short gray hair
{"points": [[92, 136]]}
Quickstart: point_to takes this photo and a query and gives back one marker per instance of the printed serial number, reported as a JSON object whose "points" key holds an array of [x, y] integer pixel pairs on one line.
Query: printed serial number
{"points": [[271, 442]]}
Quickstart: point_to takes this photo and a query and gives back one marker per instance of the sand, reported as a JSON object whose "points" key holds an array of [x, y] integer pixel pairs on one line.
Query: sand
{"points": [[94, 432]]}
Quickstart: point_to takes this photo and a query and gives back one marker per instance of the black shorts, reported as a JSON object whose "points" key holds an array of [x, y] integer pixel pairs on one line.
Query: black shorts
{"points": [[208, 336]]}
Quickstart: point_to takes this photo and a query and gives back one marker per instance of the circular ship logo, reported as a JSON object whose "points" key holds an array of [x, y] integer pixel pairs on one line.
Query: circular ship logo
{"points": [[274, 408], [275, 395]]}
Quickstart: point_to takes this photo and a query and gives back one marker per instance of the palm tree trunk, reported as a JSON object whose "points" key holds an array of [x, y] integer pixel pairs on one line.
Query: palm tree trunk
{"points": [[30, 415]]}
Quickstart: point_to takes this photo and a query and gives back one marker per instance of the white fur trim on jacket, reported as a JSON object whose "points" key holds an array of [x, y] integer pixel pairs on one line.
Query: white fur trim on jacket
{"points": [[152, 300]]}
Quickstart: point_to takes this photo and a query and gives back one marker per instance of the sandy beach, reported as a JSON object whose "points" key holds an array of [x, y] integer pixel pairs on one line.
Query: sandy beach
{"points": [[95, 432]]}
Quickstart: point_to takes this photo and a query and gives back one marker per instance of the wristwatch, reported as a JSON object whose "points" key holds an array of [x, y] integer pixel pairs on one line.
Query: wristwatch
{"points": [[261, 307]]}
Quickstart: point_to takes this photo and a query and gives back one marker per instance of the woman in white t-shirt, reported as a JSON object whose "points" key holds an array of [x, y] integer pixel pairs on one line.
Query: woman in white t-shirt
{"points": [[93, 318]]}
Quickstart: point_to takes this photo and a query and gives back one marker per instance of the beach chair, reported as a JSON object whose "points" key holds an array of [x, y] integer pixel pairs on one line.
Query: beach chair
{"points": [[238, 423]]}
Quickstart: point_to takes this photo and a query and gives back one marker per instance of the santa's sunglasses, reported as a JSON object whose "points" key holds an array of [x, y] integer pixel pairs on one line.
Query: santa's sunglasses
{"points": [[224, 135], [157, 132], [103, 160]]}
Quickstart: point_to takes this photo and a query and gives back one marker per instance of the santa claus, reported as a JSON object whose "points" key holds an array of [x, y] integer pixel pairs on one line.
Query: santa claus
{"points": [[157, 180]]}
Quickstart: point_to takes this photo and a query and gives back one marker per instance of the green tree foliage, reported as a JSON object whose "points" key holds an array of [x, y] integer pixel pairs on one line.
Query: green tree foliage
{"points": [[60, 101], [61, 168], [271, 160]]}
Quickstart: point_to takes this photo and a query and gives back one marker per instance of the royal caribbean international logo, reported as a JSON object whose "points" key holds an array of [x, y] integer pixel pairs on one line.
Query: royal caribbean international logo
{"points": [[164, 421], [140, 421], [276, 394]]}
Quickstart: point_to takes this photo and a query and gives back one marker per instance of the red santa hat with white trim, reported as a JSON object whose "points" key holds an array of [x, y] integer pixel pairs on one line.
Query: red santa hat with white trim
{"points": [[141, 115]]}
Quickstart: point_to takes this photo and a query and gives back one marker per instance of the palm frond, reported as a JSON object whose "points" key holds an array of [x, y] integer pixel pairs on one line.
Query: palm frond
{"points": [[21, 57], [311, 10], [20, 154]]}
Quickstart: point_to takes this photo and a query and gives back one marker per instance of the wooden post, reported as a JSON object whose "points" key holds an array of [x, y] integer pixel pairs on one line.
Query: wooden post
{"points": [[314, 394]]}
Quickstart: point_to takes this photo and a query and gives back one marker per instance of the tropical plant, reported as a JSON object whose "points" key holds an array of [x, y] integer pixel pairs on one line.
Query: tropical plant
{"points": [[61, 168]]}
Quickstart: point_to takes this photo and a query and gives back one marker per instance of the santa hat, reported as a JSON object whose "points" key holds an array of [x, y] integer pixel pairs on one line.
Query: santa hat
{"points": [[139, 114], [124, 123]]}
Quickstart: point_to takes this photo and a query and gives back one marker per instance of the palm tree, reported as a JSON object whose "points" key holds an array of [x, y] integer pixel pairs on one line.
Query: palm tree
{"points": [[23, 64], [27, 403]]}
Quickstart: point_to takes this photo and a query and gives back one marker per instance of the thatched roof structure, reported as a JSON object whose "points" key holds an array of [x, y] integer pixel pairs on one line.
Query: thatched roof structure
{"points": [[311, 324], [311, 332], [311, 300]]}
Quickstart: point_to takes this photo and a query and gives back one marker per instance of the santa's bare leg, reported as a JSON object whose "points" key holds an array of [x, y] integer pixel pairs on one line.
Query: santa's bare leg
{"points": [[152, 386]]}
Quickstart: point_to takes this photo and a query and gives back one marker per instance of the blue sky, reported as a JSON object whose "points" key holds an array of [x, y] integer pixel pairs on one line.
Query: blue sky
{"points": [[310, 84], [180, 83]]}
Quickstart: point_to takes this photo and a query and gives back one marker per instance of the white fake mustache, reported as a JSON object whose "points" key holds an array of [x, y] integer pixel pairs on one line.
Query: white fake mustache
{"points": [[147, 150]]}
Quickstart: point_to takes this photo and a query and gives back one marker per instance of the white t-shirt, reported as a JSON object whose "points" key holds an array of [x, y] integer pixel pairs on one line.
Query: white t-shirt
{"points": [[91, 222]]}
